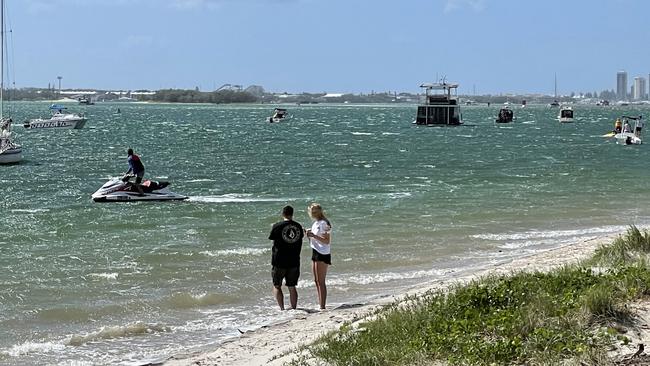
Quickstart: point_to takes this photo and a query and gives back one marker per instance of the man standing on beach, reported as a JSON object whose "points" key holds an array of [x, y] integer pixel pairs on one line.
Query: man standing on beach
{"points": [[287, 241]]}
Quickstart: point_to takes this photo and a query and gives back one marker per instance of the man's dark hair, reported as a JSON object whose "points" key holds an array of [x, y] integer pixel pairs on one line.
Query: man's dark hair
{"points": [[287, 211], [129, 152]]}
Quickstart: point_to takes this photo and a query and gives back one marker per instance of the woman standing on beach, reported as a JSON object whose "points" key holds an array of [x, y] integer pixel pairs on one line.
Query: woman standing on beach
{"points": [[319, 239]]}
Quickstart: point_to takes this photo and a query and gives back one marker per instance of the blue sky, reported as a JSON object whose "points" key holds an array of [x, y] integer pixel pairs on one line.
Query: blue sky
{"points": [[498, 46]]}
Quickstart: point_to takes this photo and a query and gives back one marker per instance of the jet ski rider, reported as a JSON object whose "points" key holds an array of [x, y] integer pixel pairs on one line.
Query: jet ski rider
{"points": [[137, 168]]}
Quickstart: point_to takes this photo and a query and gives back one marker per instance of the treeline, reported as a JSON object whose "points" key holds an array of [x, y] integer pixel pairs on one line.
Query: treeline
{"points": [[195, 96]]}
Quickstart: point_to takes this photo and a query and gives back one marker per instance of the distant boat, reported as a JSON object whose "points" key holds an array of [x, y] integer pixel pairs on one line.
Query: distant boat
{"points": [[441, 108], [86, 100], [506, 115], [59, 119], [628, 136], [566, 114], [555, 103], [279, 115], [523, 103], [622, 103], [10, 151]]}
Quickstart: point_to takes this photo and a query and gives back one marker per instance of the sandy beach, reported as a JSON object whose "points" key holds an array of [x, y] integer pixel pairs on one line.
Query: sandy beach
{"points": [[279, 343]]}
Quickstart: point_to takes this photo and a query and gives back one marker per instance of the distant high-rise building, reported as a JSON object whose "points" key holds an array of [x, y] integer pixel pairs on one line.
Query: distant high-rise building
{"points": [[621, 85], [639, 88]]}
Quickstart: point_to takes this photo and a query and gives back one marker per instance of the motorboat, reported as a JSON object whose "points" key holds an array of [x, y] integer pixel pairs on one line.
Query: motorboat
{"points": [[85, 100], [603, 102], [279, 115], [629, 136], [122, 190], [506, 115], [10, 151], [440, 107], [566, 114], [60, 119]]}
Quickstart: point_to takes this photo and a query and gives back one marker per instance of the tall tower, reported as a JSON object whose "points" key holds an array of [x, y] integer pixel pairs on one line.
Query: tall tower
{"points": [[621, 85], [639, 88]]}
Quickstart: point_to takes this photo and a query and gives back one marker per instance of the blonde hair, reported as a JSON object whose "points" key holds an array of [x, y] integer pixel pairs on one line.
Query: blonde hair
{"points": [[315, 210]]}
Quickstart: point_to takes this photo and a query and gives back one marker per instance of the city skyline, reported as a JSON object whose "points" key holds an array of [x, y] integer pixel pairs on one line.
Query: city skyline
{"points": [[336, 46]]}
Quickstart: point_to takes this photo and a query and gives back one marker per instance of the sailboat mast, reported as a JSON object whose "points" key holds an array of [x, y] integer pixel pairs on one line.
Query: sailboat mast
{"points": [[555, 84], [2, 56]]}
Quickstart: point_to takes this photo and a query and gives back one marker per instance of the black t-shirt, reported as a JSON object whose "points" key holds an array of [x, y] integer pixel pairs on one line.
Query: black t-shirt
{"points": [[287, 242]]}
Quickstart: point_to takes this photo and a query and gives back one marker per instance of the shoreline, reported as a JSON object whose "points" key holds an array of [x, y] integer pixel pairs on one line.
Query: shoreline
{"points": [[279, 343]]}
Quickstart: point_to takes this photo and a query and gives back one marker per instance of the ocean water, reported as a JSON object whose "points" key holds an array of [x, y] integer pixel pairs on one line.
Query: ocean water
{"points": [[130, 283]]}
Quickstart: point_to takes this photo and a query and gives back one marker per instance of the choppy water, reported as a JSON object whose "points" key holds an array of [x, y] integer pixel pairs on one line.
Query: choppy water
{"points": [[136, 282]]}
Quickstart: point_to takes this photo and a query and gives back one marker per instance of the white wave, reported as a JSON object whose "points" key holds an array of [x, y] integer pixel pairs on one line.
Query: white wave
{"points": [[199, 180], [119, 331], [29, 347], [233, 198], [373, 278], [108, 276], [36, 210], [238, 251], [535, 234], [362, 133]]}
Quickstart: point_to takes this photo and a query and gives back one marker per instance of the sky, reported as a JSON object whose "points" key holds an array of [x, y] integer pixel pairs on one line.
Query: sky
{"points": [[335, 46]]}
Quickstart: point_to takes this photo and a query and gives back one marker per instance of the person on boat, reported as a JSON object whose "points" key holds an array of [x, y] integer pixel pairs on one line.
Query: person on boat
{"points": [[626, 127], [638, 128], [618, 126], [136, 168]]}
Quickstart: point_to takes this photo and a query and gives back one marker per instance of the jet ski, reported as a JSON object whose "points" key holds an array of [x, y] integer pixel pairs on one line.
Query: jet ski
{"points": [[121, 190]]}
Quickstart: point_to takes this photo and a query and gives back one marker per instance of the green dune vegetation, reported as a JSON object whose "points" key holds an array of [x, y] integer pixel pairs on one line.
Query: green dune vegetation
{"points": [[571, 315]]}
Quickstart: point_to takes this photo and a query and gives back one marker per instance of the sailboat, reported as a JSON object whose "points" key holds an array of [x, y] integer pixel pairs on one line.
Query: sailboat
{"points": [[555, 103], [10, 151]]}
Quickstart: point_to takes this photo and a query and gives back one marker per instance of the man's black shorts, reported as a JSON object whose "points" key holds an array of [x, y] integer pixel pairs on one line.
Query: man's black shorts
{"points": [[290, 275]]}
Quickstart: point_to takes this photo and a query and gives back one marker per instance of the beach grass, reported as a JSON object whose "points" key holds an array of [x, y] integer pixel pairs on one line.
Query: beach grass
{"points": [[564, 316]]}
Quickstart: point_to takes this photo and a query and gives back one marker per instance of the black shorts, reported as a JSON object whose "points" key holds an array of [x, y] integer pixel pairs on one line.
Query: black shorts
{"points": [[317, 257], [637, 129], [138, 177], [290, 275]]}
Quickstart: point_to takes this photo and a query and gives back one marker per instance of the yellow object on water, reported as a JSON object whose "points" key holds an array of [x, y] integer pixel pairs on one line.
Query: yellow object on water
{"points": [[610, 134]]}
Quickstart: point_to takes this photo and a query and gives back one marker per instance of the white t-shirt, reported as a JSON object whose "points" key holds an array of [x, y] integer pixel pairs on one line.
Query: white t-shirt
{"points": [[319, 228], [639, 123]]}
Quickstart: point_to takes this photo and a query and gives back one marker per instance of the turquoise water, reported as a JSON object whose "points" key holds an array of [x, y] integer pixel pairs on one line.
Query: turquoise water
{"points": [[136, 282]]}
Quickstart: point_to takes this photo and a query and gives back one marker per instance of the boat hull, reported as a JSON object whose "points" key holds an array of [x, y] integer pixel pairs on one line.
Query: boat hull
{"points": [[133, 197], [11, 156], [71, 123], [622, 139], [566, 120]]}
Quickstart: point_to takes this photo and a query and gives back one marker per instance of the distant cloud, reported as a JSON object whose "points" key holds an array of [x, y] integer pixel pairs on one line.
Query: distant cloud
{"points": [[476, 5]]}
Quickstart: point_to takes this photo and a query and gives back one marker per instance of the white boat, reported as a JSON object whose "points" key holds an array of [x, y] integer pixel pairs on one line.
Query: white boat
{"points": [[59, 119], [630, 136], [10, 151], [566, 114], [439, 109], [279, 115]]}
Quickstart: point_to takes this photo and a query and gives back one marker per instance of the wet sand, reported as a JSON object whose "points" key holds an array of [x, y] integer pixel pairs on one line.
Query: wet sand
{"points": [[280, 343]]}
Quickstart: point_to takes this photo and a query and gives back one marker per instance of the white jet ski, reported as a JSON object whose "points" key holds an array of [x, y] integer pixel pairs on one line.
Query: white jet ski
{"points": [[121, 190]]}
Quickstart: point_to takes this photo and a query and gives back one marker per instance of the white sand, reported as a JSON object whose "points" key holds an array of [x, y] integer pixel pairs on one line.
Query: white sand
{"points": [[276, 345]]}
